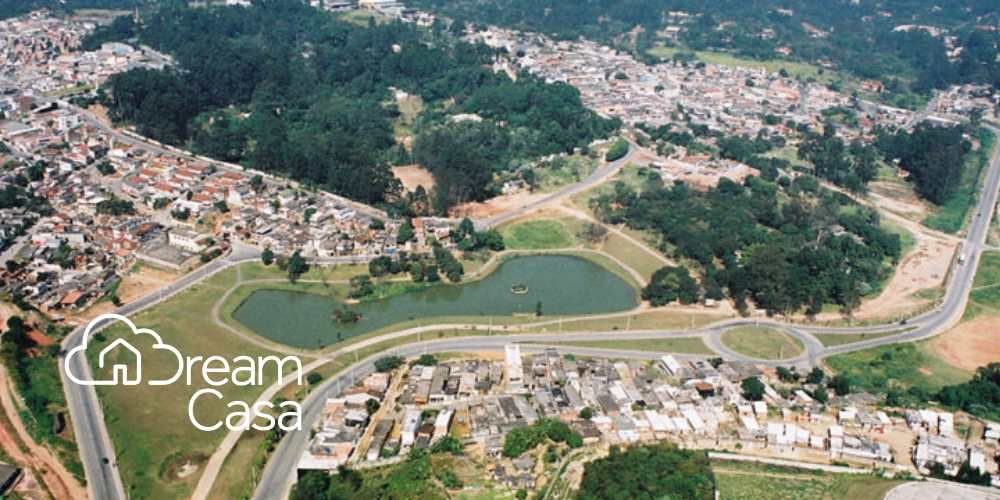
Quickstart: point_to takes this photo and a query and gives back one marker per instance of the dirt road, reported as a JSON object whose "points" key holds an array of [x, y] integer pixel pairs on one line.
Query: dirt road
{"points": [[60, 483]]}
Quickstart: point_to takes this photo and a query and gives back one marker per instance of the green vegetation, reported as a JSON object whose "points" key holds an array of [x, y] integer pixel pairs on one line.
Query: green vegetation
{"points": [[628, 251], [559, 172], [941, 168], [985, 295], [852, 167], [115, 206], [617, 151], [904, 367], [522, 439], [749, 481], [907, 241], [413, 478], [285, 88], [669, 284], [835, 339], [762, 343], [951, 216], [776, 242], [542, 234], [388, 364], [681, 345], [34, 370], [648, 472], [753, 389], [979, 396], [657, 318]]}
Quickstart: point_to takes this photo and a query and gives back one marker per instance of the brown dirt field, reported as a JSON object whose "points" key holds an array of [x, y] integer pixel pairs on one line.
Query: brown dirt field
{"points": [[899, 199], [971, 344], [100, 112], [494, 206], [134, 285], [924, 267], [412, 176]]}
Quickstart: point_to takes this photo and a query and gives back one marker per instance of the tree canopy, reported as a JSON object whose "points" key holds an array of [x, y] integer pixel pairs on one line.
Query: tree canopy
{"points": [[647, 473], [784, 248], [284, 87]]}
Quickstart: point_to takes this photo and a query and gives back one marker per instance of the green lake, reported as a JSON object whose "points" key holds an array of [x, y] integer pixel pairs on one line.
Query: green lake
{"points": [[565, 285]]}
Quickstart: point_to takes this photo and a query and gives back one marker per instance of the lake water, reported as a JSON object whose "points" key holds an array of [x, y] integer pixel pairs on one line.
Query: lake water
{"points": [[565, 285]]}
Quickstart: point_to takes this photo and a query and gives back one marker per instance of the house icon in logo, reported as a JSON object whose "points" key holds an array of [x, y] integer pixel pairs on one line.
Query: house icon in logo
{"points": [[120, 371], [123, 359]]}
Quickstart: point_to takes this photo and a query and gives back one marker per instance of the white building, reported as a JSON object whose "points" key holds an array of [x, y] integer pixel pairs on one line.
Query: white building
{"points": [[514, 368], [187, 239]]}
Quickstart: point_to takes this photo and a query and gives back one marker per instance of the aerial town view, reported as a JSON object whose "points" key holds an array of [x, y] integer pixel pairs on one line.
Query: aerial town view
{"points": [[499, 249]]}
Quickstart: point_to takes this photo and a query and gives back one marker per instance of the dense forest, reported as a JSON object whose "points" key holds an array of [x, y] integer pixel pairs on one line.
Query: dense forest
{"points": [[934, 157], [287, 88], [785, 245], [648, 472], [858, 37]]}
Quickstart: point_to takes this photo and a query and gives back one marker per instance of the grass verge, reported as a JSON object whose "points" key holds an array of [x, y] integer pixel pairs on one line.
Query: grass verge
{"points": [[540, 234], [835, 339], [682, 345], [748, 481], [905, 365], [762, 343]]}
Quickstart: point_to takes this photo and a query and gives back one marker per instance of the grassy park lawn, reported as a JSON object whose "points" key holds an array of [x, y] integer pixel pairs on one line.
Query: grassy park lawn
{"points": [[747, 481], [631, 254], [908, 365], [762, 343], [539, 234], [149, 426], [682, 345], [341, 272]]}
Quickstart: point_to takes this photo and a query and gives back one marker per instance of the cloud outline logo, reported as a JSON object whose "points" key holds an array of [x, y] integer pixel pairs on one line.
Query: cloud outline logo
{"points": [[121, 370]]}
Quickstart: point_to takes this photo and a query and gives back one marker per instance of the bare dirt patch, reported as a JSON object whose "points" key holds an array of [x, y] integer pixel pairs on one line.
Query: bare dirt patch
{"points": [[142, 281], [971, 344], [494, 206], [412, 176], [100, 112], [898, 198], [924, 267]]}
